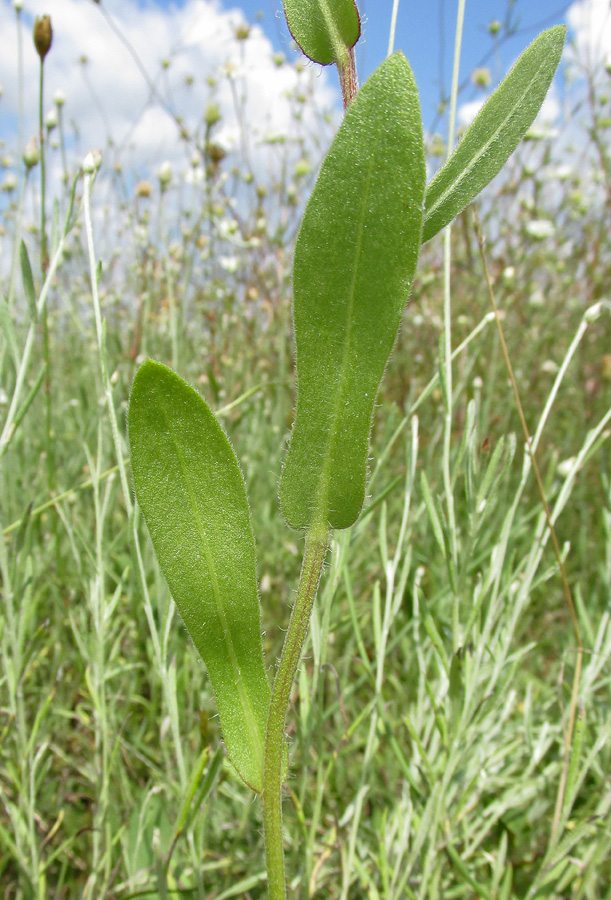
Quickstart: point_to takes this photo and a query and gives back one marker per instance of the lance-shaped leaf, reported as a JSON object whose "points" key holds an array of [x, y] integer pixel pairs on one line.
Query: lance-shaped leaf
{"points": [[191, 492], [355, 259], [495, 133], [324, 29]]}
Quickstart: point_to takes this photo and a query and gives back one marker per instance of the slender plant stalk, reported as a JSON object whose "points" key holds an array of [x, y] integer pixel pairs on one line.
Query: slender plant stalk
{"points": [[44, 265], [393, 28], [14, 412], [317, 542], [447, 332], [19, 83], [348, 78]]}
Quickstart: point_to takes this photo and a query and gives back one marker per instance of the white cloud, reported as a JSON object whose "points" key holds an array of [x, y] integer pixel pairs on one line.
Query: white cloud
{"points": [[590, 24], [108, 99], [548, 114], [468, 111]]}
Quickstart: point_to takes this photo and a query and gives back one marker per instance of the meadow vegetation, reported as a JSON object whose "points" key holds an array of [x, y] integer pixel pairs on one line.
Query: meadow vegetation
{"points": [[429, 744]]}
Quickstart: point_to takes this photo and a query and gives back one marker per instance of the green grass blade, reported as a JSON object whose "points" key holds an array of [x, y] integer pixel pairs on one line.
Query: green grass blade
{"points": [[324, 29], [6, 325], [28, 280], [496, 132], [354, 263], [191, 491]]}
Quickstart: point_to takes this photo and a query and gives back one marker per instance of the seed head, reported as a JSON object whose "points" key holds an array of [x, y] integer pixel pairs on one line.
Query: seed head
{"points": [[43, 35]]}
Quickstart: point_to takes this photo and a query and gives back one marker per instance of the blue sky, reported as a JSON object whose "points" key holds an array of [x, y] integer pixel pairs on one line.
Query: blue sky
{"points": [[109, 104], [425, 33]]}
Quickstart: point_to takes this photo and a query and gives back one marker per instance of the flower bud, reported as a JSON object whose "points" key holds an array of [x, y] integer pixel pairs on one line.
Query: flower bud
{"points": [[242, 32], [593, 313], [215, 153], [212, 114], [164, 175], [31, 154], [43, 35], [51, 119], [92, 162], [18, 5], [481, 77], [59, 98], [9, 184]]}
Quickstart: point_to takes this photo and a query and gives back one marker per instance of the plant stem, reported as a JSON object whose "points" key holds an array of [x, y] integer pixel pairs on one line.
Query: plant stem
{"points": [[317, 542], [44, 265], [447, 345], [346, 66], [393, 28]]}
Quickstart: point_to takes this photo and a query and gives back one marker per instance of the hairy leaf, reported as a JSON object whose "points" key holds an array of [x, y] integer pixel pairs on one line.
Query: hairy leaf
{"points": [[495, 133], [324, 29], [191, 492], [355, 259]]}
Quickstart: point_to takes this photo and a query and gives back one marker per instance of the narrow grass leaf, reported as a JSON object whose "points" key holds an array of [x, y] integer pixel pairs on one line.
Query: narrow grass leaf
{"points": [[575, 760], [496, 132], [54, 237], [28, 280], [355, 259], [432, 511], [28, 400], [323, 29], [191, 492], [6, 324]]}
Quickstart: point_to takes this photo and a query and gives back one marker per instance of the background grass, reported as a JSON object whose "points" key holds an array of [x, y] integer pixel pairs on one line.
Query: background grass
{"points": [[430, 714]]}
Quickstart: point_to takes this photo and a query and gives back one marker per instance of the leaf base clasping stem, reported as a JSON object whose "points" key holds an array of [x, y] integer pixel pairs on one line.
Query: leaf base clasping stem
{"points": [[317, 542]]}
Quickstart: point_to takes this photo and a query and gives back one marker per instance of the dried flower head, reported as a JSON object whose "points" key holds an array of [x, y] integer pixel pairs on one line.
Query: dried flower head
{"points": [[143, 189]]}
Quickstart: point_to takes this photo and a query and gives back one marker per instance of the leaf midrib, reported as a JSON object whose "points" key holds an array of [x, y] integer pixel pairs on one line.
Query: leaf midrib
{"points": [[332, 440], [453, 185], [249, 713]]}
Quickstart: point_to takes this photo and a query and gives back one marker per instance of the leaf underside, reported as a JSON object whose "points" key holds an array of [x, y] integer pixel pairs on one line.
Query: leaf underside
{"points": [[191, 492], [355, 259], [323, 29], [495, 132]]}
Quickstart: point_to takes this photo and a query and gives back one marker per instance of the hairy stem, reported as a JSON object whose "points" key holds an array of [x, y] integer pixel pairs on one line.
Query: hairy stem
{"points": [[317, 541]]}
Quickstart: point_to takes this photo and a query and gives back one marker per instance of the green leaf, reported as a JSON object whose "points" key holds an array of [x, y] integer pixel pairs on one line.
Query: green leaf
{"points": [[28, 280], [191, 492], [355, 259], [495, 133], [324, 29], [6, 324]]}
